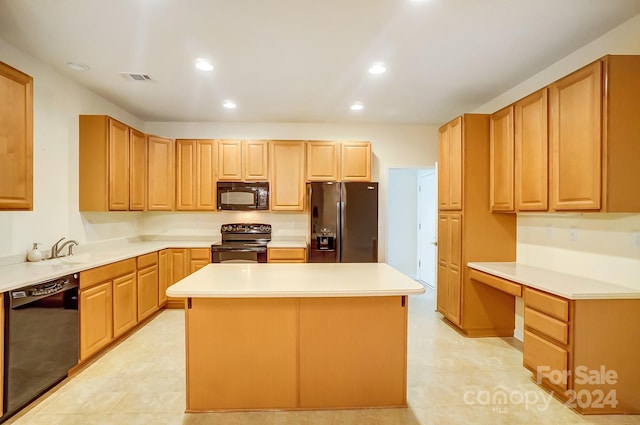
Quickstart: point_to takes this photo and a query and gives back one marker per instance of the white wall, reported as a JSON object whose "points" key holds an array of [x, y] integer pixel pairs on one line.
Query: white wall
{"points": [[402, 216], [603, 249], [57, 103]]}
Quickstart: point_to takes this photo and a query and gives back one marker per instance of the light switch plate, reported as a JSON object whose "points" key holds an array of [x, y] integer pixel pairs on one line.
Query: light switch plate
{"points": [[573, 234]]}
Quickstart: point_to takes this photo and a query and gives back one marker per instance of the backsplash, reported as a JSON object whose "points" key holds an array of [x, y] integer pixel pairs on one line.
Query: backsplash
{"points": [[208, 223], [595, 245]]}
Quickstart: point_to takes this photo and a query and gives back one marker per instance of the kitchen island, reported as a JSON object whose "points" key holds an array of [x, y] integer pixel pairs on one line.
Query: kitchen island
{"points": [[295, 336]]}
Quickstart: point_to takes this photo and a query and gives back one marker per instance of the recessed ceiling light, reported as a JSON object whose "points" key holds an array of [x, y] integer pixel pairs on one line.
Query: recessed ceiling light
{"points": [[229, 104], [357, 106], [377, 68], [77, 66], [203, 65]]}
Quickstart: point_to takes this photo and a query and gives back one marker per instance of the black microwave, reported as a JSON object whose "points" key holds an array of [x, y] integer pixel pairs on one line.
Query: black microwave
{"points": [[241, 196]]}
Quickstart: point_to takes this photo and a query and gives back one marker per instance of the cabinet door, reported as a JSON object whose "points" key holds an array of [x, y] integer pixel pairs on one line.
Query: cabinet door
{"points": [[454, 295], [205, 175], [199, 257], [186, 176], [230, 160], [147, 291], [165, 274], [443, 264], [161, 177], [531, 152], [125, 303], [287, 175], [322, 161], [455, 164], [180, 262], [576, 139], [501, 160], [16, 149], [255, 160], [355, 161], [118, 166], [137, 171], [96, 313], [450, 165], [443, 167]]}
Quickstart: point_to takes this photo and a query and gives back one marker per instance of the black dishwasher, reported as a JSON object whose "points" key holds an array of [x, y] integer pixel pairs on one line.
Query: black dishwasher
{"points": [[40, 339]]}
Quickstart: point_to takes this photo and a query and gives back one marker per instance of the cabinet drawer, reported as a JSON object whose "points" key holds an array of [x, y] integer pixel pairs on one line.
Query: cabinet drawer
{"points": [[547, 325], [540, 353], [201, 254], [147, 260], [110, 271], [500, 284], [547, 303], [286, 254]]}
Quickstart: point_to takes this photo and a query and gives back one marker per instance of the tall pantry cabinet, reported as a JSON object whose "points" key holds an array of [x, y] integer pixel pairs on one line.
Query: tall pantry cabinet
{"points": [[468, 231]]}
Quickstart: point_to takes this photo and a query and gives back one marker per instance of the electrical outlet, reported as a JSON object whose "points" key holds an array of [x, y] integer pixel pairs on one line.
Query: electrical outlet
{"points": [[549, 231], [635, 239], [573, 234]]}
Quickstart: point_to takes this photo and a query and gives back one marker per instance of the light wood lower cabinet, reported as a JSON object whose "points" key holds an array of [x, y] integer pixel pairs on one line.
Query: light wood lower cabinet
{"points": [[199, 257], [148, 285], [286, 255], [108, 305], [96, 319], [288, 353], [584, 351]]}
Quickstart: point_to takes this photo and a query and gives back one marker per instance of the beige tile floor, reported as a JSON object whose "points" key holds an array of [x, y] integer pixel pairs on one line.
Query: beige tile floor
{"points": [[141, 381]]}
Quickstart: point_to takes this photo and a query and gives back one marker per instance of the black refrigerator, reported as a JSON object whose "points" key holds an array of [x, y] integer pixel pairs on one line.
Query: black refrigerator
{"points": [[344, 222]]}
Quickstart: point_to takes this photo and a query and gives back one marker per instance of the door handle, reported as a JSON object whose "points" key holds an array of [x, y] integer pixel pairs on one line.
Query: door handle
{"points": [[434, 243]]}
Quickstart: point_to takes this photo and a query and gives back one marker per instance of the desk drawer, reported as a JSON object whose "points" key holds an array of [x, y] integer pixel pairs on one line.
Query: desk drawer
{"points": [[500, 284], [546, 303], [546, 325], [542, 356]]}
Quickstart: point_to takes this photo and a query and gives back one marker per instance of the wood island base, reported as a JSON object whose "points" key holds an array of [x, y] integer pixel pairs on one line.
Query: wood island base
{"points": [[296, 353]]}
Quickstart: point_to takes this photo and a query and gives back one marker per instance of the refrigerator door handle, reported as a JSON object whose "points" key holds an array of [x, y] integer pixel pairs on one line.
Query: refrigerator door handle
{"points": [[338, 241]]}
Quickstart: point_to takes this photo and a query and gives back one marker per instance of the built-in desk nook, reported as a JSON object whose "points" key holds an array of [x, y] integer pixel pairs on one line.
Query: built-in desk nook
{"points": [[581, 336]]}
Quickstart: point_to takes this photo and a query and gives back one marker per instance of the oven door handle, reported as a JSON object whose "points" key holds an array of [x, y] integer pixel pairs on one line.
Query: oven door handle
{"points": [[240, 250]]}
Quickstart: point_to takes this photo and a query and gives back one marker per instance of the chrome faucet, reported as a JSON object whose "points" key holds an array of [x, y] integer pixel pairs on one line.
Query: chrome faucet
{"points": [[56, 250]]}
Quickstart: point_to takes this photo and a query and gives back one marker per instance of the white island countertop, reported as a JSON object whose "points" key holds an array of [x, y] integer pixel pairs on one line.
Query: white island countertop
{"points": [[564, 285], [295, 280]]}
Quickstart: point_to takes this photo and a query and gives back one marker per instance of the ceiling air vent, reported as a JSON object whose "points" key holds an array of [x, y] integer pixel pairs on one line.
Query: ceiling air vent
{"points": [[135, 76]]}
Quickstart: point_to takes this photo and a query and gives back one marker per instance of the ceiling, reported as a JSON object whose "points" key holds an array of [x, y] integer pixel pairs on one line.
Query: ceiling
{"points": [[306, 60]]}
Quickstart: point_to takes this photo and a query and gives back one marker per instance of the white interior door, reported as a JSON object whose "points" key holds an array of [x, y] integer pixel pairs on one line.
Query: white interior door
{"points": [[427, 197]]}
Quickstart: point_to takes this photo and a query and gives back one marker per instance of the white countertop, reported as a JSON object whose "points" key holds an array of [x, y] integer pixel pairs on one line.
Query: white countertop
{"points": [[23, 274], [295, 280], [564, 285]]}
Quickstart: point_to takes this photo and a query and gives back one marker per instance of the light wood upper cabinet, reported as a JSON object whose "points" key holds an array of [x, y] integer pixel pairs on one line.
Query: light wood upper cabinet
{"points": [[112, 165], [355, 161], [501, 159], [161, 174], [531, 152], [118, 166], [16, 141], [576, 141], [230, 160], [593, 134], [137, 171], [450, 165], [323, 159], [243, 160], [195, 175], [255, 160], [287, 176]]}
